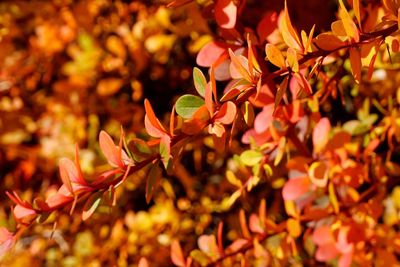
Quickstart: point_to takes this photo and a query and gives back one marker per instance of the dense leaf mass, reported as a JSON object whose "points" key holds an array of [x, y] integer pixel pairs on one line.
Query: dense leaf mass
{"points": [[200, 133]]}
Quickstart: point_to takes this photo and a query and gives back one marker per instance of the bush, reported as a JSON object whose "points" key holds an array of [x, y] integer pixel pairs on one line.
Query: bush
{"points": [[284, 151]]}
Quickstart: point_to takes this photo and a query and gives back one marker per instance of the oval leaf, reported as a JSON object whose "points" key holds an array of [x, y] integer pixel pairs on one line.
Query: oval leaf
{"points": [[187, 105]]}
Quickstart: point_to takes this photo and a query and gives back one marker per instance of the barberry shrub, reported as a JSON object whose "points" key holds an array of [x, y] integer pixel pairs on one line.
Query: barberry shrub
{"points": [[293, 135]]}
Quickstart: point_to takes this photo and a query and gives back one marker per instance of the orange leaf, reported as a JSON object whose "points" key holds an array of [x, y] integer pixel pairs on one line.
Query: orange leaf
{"points": [[295, 187], [240, 66], [67, 172], [110, 150], [226, 114], [355, 61], [348, 24], [289, 34], [275, 56], [153, 125], [328, 41], [177, 255], [320, 134]]}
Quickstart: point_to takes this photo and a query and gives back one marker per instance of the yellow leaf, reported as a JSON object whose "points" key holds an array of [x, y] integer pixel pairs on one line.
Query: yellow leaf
{"points": [[348, 24], [274, 55], [289, 34], [294, 228], [233, 179], [333, 198], [292, 59]]}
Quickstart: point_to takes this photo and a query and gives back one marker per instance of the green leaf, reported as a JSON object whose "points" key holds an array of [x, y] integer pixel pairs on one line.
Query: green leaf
{"points": [[200, 81], [152, 179], [91, 205], [165, 150], [187, 105], [251, 157]]}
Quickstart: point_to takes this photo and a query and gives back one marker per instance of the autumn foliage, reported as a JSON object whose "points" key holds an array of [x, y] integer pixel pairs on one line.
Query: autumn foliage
{"points": [[200, 133]]}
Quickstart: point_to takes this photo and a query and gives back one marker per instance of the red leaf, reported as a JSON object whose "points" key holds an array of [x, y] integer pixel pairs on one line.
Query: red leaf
{"points": [[24, 214], [226, 14], [326, 252], [210, 53], [6, 240], [322, 235], [295, 187], [226, 114], [177, 255], [110, 150], [267, 25], [263, 120], [59, 199]]}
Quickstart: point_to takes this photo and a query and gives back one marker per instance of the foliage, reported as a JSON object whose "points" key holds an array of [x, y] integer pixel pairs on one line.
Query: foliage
{"points": [[284, 152]]}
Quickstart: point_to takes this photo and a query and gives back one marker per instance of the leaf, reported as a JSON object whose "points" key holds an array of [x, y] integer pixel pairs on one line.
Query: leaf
{"points": [[267, 25], [333, 199], [110, 150], [251, 157], [275, 56], [165, 150], [208, 244], [281, 91], [197, 123], [208, 100], [248, 113], [200, 81], [226, 13], [289, 34], [291, 59], [176, 254], [24, 214], [178, 3], [318, 173], [226, 114], [357, 11], [239, 66], [109, 86], [66, 166], [143, 262], [231, 177], [295, 187], [320, 134], [355, 61], [294, 228], [152, 181], [187, 105], [348, 24], [210, 53], [328, 41], [152, 117], [91, 205], [264, 119]]}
